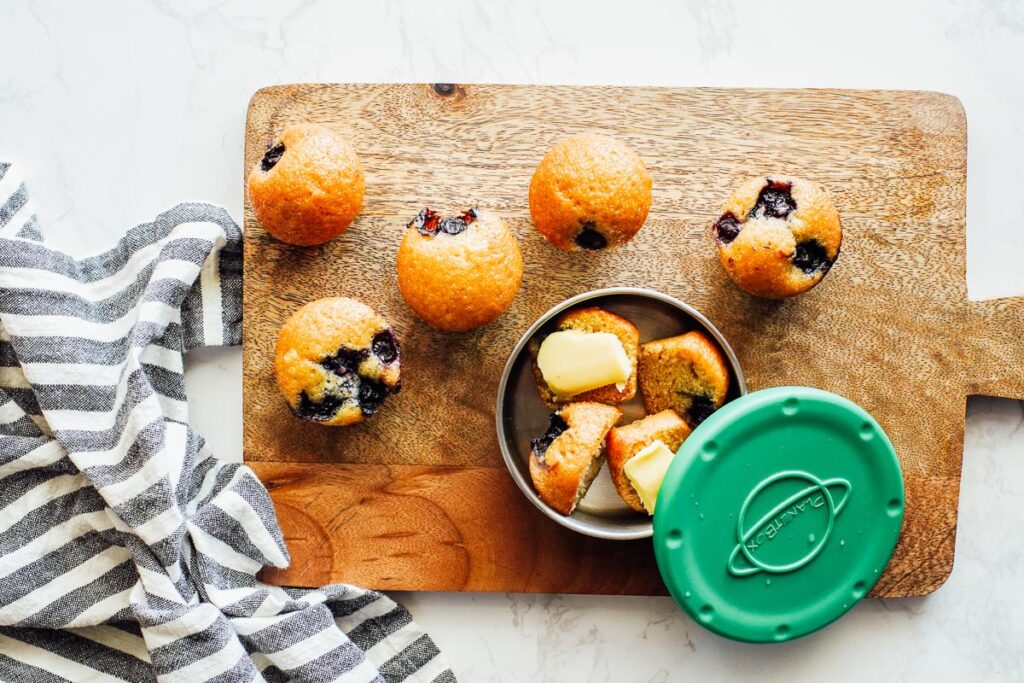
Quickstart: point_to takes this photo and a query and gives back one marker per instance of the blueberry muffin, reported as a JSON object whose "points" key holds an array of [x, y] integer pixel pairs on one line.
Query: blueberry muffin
{"points": [[461, 272], [626, 441], [778, 236], [567, 457], [686, 374], [336, 361], [591, 320], [590, 192], [309, 185]]}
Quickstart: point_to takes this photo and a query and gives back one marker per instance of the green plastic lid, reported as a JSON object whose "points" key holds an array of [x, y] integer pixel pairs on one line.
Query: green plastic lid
{"points": [[778, 514]]}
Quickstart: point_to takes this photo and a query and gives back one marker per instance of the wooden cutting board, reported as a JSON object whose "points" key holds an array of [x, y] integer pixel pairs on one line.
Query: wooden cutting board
{"points": [[418, 498]]}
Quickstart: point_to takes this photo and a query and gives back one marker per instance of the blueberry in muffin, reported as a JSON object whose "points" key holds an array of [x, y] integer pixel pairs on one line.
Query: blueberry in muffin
{"points": [[778, 236], [337, 361]]}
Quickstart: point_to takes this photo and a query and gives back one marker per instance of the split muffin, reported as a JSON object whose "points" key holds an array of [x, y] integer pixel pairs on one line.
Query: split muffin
{"points": [[629, 440], [686, 374], [594, 337], [567, 457]]}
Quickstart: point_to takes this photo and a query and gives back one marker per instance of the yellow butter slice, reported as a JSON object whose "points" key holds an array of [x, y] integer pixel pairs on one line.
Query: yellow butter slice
{"points": [[572, 362], [646, 469]]}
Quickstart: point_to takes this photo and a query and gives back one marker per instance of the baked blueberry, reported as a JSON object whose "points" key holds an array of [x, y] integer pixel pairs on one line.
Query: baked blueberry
{"points": [[556, 426], [565, 460], [337, 361], [272, 156], [701, 408], [774, 201], [318, 411], [726, 228], [810, 257], [589, 238], [426, 222], [385, 346], [344, 361], [372, 395]]}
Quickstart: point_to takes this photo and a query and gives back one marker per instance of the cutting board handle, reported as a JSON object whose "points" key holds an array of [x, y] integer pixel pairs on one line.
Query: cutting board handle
{"points": [[996, 354]]}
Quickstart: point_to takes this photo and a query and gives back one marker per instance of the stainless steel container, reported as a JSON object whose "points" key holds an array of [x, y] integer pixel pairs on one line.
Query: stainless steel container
{"points": [[521, 416]]}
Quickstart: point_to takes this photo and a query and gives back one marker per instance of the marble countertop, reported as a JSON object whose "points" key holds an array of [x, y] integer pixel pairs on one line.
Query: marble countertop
{"points": [[115, 110]]}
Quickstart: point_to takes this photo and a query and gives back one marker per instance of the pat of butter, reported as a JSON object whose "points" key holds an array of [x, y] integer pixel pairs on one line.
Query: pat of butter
{"points": [[646, 469], [573, 362]]}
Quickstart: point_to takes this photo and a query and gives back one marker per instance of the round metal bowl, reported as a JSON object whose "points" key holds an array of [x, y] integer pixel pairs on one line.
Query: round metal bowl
{"points": [[521, 416]]}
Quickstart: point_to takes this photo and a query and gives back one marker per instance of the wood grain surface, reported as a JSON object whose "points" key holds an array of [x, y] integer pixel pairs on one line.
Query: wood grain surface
{"points": [[418, 497]]}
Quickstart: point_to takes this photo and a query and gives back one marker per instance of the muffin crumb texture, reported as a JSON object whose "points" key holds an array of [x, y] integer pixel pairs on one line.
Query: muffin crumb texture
{"points": [[626, 441], [592, 319], [567, 457], [686, 374]]}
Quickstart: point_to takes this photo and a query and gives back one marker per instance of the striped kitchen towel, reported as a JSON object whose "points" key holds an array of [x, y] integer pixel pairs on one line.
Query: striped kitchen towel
{"points": [[128, 551]]}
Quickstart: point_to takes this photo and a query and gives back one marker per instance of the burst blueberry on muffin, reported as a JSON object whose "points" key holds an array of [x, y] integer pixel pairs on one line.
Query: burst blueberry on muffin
{"points": [[461, 272], [590, 192], [336, 361], [309, 185], [778, 236], [686, 374], [627, 441], [567, 457], [590, 355]]}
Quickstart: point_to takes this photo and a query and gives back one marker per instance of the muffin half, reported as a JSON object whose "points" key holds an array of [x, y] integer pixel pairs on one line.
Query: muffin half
{"points": [[686, 374], [592, 320], [567, 457], [626, 441]]}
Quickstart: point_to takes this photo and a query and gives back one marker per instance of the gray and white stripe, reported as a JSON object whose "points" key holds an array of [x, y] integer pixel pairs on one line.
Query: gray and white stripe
{"points": [[128, 551]]}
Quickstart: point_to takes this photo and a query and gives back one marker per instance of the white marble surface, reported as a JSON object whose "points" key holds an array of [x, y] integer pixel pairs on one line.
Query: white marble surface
{"points": [[117, 109]]}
